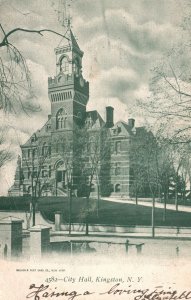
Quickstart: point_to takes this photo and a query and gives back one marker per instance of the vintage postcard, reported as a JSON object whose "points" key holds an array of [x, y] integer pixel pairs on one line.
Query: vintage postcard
{"points": [[95, 149]]}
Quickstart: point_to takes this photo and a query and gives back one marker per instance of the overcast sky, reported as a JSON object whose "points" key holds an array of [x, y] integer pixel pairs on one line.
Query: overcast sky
{"points": [[121, 39]]}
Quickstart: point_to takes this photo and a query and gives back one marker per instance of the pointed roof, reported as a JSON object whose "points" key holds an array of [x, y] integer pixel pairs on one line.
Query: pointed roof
{"points": [[73, 40]]}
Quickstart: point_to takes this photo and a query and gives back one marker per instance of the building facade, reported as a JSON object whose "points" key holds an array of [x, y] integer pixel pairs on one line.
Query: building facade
{"points": [[52, 160]]}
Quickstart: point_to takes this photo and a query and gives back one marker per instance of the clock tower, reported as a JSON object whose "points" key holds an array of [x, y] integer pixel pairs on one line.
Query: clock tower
{"points": [[68, 91]]}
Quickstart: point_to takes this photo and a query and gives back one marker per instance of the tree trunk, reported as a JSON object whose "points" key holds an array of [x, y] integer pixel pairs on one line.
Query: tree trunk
{"points": [[70, 210], [98, 199], [33, 212], [164, 212], [153, 217], [136, 197], [98, 195], [87, 216], [176, 196]]}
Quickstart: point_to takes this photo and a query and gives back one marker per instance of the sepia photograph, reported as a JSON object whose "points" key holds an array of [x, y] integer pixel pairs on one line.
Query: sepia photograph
{"points": [[95, 149]]}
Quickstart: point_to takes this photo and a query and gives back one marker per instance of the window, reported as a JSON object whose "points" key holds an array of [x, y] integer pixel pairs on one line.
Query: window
{"points": [[49, 150], [49, 171], [63, 147], [29, 190], [34, 172], [112, 147], [48, 127], [117, 169], [44, 172], [117, 188], [64, 65], [29, 173], [92, 188], [33, 138], [44, 149], [76, 67], [118, 147], [29, 153], [34, 153], [61, 119]]}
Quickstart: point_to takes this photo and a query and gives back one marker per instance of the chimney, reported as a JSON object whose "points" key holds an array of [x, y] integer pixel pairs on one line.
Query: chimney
{"points": [[109, 116], [131, 123]]}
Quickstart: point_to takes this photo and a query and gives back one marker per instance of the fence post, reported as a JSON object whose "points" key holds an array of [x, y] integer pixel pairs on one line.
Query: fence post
{"points": [[11, 236], [127, 246], [58, 221], [39, 240]]}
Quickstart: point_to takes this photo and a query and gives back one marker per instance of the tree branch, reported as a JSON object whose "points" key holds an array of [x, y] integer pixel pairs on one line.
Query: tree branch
{"points": [[40, 32]]}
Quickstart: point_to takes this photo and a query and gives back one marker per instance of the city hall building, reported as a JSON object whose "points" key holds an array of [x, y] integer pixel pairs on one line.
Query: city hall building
{"points": [[44, 162]]}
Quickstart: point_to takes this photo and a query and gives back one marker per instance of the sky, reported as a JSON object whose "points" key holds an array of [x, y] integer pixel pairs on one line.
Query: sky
{"points": [[122, 41]]}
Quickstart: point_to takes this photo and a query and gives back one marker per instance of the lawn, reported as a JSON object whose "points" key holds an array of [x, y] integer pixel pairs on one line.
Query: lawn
{"points": [[112, 213]]}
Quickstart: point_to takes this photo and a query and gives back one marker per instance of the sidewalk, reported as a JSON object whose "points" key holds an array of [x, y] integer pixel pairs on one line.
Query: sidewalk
{"points": [[182, 208], [110, 236]]}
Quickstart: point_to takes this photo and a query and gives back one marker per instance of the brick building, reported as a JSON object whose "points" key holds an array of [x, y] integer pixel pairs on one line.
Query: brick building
{"points": [[44, 162]]}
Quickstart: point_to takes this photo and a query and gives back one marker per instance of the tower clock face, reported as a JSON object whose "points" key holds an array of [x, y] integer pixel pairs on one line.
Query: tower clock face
{"points": [[81, 81]]}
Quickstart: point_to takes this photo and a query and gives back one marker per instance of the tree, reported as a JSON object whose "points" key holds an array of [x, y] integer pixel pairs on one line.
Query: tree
{"points": [[95, 163], [15, 82], [5, 152], [16, 93], [168, 109], [169, 102], [34, 159], [64, 146]]}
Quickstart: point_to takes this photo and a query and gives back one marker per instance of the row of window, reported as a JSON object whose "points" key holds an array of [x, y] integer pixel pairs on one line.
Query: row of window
{"points": [[44, 172], [45, 151], [116, 147], [61, 96]]}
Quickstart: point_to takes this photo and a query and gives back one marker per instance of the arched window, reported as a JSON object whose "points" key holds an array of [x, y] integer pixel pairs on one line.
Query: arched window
{"points": [[29, 190], [118, 188], [64, 65], [61, 119]]}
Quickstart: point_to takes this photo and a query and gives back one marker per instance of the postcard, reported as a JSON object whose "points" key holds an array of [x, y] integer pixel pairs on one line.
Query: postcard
{"points": [[95, 185]]}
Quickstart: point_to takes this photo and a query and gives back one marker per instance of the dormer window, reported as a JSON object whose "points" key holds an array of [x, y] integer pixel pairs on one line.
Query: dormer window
{"points": [[33, 138]]}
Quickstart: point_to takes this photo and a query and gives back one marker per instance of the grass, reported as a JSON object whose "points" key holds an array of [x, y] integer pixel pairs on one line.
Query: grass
{"points": [[112, 213]]}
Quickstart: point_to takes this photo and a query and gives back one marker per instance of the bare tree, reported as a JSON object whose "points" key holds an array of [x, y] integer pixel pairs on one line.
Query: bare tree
{"points": [[15, 79], [95, 162], [5, 151], [33, 165]]}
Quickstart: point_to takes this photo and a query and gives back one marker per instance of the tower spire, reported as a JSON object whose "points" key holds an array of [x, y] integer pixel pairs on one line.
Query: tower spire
{"points": [[64, 16]]}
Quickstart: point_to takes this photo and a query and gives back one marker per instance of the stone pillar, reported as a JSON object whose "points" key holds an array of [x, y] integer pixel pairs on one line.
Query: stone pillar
{"points": [[58, 221], [39, 240], [11, 237]]}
